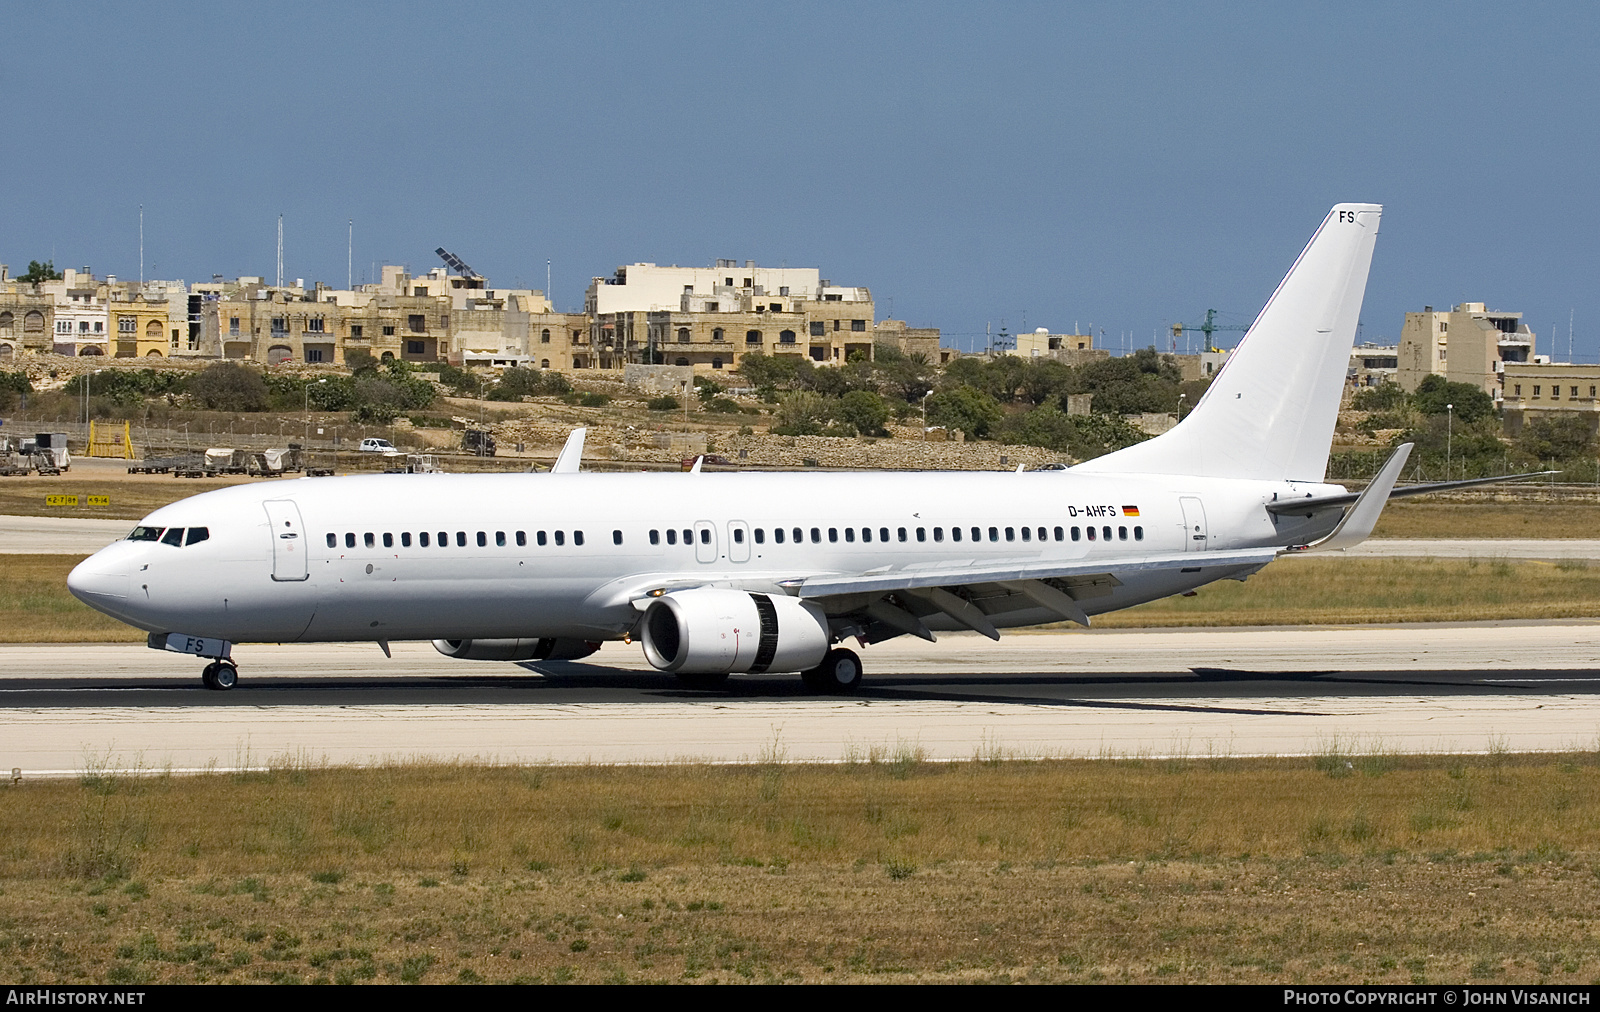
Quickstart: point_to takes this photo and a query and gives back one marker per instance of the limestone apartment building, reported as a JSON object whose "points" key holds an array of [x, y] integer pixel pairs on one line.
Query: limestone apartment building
{"points": [[1467, 344], [710, 317]]}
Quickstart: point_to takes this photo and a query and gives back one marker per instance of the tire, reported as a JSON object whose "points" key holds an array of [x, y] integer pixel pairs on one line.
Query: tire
{"points": [[703, 680], [839, 673], [225, 678], [208, 677]]}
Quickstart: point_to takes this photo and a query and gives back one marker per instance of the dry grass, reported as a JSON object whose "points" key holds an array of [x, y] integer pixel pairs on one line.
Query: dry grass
{"points": [[1330, 591], [1346, 867], [35, 606], [1489, 520], [132, 496]]}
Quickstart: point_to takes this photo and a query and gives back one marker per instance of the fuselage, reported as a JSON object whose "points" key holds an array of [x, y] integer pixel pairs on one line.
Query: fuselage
{"points": [[418, 557]]}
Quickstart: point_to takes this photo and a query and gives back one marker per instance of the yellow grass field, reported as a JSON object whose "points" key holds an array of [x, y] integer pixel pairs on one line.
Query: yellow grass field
{"points": [[1342, 868]]}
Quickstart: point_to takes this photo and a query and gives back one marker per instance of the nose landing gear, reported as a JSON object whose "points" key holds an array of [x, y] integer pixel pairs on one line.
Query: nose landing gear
{"points": [[220, 676]]}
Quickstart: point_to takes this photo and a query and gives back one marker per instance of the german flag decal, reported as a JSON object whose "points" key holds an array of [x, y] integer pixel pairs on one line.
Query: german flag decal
{"points": [[1130, 511]]}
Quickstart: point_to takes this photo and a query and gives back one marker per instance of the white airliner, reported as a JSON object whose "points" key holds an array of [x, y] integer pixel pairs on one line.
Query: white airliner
{"points": [[761, 572]]}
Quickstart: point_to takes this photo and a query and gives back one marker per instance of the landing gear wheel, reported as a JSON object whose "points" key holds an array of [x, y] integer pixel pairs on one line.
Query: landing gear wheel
{"points": [[219, 676], [702, 679], [839, 673]]}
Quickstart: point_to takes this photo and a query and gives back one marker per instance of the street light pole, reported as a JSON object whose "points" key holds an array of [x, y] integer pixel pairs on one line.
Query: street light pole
{"points": [[1449, 431]]}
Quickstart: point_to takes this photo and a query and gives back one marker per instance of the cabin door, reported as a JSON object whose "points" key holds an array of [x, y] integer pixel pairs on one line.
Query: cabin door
{"points": [[288, 541]]}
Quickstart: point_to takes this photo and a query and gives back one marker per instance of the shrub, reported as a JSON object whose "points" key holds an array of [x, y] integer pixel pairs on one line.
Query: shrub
{"points": [[226, 386], [966, 408], [863, 411], [665, 403]]}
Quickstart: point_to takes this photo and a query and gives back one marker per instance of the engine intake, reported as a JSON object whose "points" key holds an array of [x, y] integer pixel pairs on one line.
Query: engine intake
{"points": [[708, 630], [559, 649]]}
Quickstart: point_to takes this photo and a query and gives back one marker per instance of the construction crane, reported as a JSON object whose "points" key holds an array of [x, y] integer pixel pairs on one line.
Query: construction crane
{"points": [[1207, 328], [455, 263]]}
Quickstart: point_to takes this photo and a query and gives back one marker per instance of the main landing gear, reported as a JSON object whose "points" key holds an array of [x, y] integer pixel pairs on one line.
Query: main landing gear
{"points": [[220, 676], [839, 672]]}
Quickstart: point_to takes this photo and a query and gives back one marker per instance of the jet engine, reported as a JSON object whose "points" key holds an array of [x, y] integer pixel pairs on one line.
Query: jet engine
{"points": [[516, 650], [712, 631]]}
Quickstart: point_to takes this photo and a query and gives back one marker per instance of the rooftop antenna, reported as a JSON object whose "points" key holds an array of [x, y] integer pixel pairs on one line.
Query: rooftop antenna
{"points": [[349, 254], [280, 252], [141, 245], [455, 263], [1570, 313], [547, 296]]}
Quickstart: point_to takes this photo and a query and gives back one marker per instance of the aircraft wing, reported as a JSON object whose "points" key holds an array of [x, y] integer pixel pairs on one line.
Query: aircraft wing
{"points": [[964, 574]]}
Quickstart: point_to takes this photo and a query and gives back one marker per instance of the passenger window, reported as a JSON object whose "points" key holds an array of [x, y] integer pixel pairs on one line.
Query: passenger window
{"points": [[922, 534], [388, 540], [672, 537], [577, 537], [883, 534], [1122, 534], [761, 536], [422, 539], [173, 537], [1106, 532], [994, 534], [405, 539], [798, 535], [197, 534], [849, 533], [1138, 534], [1058, 535], [1089, 529], [816, 535], [1075, 534], [738, 535], [902, 534], [500, 539], [688, 536], [655, 537], [833, 534], [777, 535], [333, 541], [461, 539], [483, 540], [938, 533], [866, 534], [977, 533], [541, 538], [368, 541], [561, 538], [1011, 534], [616, 538], [705, 535], [522, 539], [444, 539], [349, 540], [1044, 535], [955, 533], [1027, 534]]}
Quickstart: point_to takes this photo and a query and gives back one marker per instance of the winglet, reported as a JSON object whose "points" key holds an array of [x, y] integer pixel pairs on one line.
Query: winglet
{"points": [[697, 462], [571, 454], [1357, 524]]}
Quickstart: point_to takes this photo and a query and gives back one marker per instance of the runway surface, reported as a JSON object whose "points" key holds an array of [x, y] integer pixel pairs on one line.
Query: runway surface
{"points": [[1425, 688], [58, 535]]}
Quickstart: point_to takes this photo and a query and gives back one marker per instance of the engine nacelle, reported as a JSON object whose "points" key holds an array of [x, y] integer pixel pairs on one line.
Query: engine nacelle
{"points": [[516, 650], [706, 631]]}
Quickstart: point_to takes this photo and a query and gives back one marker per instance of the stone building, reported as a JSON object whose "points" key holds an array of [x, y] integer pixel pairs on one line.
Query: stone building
{"points": [[708, 317], [1543, 389], [913, 341], [27, 317], [1468, 344]]}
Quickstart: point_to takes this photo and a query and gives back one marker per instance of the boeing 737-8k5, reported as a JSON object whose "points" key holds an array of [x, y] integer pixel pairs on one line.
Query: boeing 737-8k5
{"points": [[760, 572]]}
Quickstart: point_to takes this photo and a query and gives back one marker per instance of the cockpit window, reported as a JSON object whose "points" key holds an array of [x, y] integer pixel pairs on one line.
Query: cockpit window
{"points": [[174, 537], [146, 534], [197, 534]]}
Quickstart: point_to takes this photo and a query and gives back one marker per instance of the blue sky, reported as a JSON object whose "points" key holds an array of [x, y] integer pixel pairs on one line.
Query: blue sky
{"points": [[1116, 164]]}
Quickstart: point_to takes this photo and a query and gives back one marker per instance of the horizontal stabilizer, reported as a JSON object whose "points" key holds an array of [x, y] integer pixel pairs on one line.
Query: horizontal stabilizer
{"points": [[1315, 504]]}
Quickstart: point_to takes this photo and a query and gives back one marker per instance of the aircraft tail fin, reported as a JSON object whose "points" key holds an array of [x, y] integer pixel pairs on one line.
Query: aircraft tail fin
{"points": [[1271, 409]]}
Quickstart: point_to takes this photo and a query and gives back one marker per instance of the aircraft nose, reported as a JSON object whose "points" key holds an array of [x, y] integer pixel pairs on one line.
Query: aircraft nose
{"points": [[97, 579]]}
